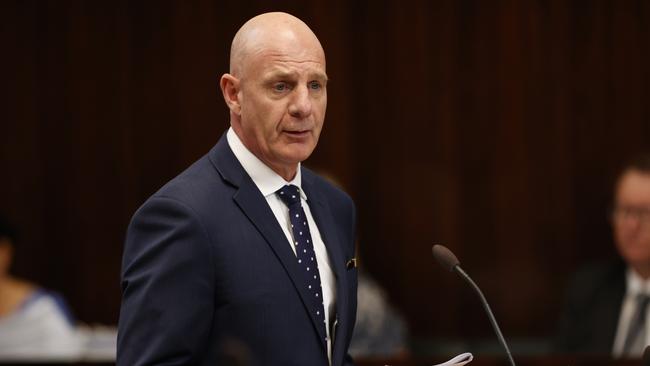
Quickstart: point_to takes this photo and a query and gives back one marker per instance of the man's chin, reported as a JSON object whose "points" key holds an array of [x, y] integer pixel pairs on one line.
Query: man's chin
{"points": [[638, 259], [297, 153]]}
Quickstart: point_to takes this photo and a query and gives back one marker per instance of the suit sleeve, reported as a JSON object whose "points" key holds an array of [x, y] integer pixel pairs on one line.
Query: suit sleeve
{"points": [[167, 287], [590, 319]]}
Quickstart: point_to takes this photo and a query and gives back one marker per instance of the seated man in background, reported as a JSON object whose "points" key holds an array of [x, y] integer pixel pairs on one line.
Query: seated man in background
{"points": [[607, 305], [34, 323]]}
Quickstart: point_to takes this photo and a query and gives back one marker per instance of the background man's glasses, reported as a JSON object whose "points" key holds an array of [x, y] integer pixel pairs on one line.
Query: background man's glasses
{"points": [[631, 212]]}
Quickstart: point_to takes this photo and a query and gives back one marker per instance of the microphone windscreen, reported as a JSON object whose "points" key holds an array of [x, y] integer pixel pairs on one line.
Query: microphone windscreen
{"points": [[445, 257]]}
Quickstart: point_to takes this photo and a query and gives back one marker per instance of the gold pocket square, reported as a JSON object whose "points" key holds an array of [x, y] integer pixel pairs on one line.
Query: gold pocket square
{"points": [[352, 263]]}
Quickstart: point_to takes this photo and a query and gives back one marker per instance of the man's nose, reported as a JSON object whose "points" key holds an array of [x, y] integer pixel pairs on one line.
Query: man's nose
{"points": [[300, 105], [631, 221]]}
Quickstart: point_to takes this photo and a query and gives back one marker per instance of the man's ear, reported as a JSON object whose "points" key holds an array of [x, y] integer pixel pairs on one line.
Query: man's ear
{"points": [[230, 89]]}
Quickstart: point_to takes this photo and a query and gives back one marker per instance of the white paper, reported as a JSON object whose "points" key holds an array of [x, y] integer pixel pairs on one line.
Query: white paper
{"points": [[460, 360]]}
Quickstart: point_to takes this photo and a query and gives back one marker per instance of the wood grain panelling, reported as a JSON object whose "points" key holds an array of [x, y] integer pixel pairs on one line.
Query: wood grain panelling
{"points": [[493, 127]]}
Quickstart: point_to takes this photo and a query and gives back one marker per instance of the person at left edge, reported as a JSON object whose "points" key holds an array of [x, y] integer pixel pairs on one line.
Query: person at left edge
{"points": [[209, 260], [35, 323]]}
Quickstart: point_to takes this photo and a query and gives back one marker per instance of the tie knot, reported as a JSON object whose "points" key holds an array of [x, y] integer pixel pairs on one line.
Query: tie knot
{"points": [[289, 194]]}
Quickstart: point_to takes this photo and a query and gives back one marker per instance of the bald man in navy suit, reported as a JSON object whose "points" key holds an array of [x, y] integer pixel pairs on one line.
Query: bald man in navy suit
{"points": [[213, 259]]}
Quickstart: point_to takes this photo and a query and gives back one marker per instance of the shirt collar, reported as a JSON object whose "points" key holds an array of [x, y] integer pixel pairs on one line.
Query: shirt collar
{"points": [[266, 180], [636, 285]]}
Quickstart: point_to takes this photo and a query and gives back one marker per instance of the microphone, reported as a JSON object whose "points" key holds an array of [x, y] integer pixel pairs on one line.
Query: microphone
{"points": [[646, 356], [449, 261]]}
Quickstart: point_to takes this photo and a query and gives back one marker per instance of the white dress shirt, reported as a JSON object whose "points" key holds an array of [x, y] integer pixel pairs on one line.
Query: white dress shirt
{"points": [[636, 286], [268, 182]]}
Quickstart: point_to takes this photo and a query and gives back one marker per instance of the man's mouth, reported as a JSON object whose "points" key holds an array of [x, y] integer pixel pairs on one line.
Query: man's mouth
{"points": [[301, 133]]}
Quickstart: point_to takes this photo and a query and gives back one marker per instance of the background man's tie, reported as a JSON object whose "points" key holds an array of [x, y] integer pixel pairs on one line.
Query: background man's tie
{"points": [[635, 340]]}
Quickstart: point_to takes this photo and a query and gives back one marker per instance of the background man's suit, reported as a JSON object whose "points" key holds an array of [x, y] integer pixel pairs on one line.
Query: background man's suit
{"points": [[205, 261], [590, 318]]}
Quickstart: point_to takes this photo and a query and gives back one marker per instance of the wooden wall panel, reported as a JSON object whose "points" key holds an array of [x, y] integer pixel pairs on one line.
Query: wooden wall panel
{"points": [[494, 128]]}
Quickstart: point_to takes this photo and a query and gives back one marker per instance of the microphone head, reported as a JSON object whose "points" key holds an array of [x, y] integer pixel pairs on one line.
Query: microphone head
{"points": [[445, 257]]}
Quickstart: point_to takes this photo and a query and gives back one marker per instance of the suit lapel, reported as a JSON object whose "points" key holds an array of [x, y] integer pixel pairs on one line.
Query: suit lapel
{"points": [[324, 220], [254, 205]]}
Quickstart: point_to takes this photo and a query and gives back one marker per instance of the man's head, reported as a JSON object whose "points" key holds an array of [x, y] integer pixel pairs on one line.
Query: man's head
{"points": [[276, 90], [631, 214]]}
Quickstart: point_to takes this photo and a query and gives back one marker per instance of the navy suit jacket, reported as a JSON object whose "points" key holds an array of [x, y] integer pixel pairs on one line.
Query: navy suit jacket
{"points": [[591, 311], [207, 272]]}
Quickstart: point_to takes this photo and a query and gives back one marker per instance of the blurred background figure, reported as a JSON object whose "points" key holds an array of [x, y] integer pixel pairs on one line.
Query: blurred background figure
{"points": [[380, 330], [607, 304], [35, 323]]}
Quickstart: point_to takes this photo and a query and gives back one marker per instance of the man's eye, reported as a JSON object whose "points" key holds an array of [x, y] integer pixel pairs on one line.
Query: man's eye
{"points": [[314, 85], [280, 87]]}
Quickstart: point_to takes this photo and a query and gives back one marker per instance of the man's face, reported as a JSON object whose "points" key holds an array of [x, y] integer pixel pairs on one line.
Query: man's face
{"points": [[283, 98], [631, 218]]}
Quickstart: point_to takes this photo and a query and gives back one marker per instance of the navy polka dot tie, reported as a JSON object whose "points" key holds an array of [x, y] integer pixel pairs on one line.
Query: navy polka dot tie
{"points": [[305, 254]]}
